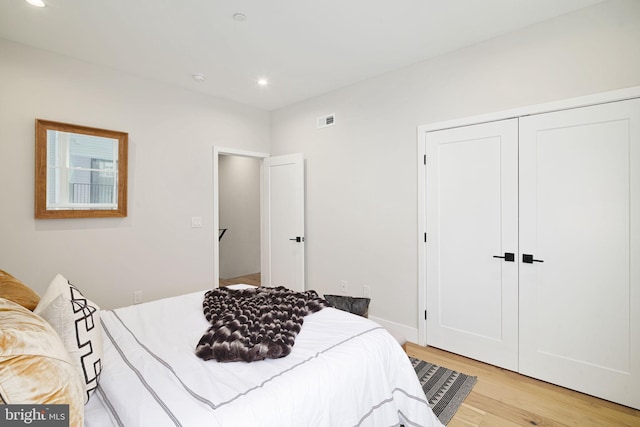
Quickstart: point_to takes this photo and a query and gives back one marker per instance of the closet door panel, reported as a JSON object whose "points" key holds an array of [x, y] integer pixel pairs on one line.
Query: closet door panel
{"points": [[579, 187], [472, 216]]}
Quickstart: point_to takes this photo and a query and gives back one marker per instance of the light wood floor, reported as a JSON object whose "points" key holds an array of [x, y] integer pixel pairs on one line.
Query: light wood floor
{"points": [[503, 398], [250, 279]]}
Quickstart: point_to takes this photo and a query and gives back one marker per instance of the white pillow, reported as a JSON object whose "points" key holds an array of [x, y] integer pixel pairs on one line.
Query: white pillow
{"points": [[241, 286], [77, 320]]}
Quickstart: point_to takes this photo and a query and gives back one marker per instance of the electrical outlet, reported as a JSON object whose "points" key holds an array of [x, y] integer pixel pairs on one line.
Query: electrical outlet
{"points": [[366, 291], [196, 222], [137, 297], [344, 287]]}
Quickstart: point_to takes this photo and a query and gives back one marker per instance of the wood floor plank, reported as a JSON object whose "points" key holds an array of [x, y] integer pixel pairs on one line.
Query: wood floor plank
{"points": [[467, 415], [503, 398], [493, 420], [512, 413], [249, 279]]}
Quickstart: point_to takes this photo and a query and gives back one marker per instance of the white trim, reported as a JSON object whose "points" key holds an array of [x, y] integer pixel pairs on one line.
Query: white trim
{"points": [[242, 153], [398, 330], [564, 104], [216, 205], [422, 229]]}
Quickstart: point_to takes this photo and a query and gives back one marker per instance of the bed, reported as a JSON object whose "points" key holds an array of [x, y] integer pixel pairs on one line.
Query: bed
{"points": [[344, 370]]}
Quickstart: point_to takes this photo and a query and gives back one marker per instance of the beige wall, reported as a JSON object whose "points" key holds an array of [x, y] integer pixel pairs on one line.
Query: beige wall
{"points": [[171, 137], [362, 172]]}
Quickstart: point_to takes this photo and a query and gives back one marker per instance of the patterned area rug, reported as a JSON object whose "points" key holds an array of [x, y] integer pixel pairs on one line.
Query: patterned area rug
{"points": [[445, 389]]}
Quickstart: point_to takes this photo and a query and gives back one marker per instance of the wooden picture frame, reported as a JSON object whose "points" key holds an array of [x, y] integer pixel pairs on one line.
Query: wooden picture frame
{"points": [[80, 171]]}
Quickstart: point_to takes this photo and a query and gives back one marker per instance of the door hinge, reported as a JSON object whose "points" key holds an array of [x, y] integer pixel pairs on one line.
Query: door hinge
{"points": [[425, 315], [425, 237], [425, 160]]}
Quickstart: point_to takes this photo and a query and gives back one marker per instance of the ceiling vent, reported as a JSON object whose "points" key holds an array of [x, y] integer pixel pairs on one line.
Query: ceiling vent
{"points": [[325, 121]]}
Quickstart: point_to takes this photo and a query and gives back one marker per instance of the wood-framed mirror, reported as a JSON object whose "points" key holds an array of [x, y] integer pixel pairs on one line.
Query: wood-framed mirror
{"points": [[81, 172]]}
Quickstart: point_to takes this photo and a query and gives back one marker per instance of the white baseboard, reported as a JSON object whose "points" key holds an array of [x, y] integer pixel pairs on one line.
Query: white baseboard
{"points": [[398, 330]]}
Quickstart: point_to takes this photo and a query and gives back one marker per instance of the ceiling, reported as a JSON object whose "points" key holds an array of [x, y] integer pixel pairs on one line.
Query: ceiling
{"points": [[304, 48]]}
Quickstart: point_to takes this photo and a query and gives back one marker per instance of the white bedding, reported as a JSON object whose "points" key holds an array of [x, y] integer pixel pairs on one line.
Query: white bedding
{"points": [[344, 370]]}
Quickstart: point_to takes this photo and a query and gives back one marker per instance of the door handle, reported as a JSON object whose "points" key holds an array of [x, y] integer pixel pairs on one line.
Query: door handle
{"points": [[528, 259], [298, 239], [508, 256]]}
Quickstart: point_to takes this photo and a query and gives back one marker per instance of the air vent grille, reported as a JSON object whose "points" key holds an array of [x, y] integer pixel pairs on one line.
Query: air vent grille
{"points": [[328, 120]]}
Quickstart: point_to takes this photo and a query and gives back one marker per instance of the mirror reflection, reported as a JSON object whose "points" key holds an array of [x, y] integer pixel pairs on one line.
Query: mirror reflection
{"points": [[84, 173]]}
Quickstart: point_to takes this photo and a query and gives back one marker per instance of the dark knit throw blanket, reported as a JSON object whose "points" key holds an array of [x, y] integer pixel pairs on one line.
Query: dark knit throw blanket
{"points": [[254, 324]]}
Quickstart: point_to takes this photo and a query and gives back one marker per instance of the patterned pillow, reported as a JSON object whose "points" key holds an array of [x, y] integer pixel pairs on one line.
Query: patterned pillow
{"points": [[16, 291], [35, 368], [76, 319]]}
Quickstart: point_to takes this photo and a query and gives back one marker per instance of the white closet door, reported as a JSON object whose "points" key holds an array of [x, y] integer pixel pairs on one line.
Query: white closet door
{"points": [[472, 213], [580, 215]]}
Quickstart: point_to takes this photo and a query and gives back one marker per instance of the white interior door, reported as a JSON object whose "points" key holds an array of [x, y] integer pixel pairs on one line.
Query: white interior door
{"points": [[580, 217], [471, 218], [283, 222]]}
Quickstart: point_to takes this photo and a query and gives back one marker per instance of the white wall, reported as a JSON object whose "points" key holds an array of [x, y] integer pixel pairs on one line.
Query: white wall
{"points": [[362, 172], [239, 200], [171, 135]]}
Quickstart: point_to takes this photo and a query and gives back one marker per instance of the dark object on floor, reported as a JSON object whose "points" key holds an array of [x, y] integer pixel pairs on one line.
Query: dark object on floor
{"points": [[355, 305], [444, 389]]}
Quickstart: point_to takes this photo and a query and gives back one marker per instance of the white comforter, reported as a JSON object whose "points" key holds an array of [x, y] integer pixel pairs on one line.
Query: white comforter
{"points": [[343, 371]]}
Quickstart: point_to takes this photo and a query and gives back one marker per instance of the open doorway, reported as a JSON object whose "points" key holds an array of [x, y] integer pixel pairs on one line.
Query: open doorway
{"points": [[236, 205], [239, 216], [282, 240]]}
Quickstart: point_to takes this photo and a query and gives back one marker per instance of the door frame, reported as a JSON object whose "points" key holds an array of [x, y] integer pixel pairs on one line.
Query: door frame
{"points": [[422, 162], [217, 151]]}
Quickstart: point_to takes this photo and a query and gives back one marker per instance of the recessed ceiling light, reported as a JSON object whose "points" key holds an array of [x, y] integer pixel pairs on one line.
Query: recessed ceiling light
{"points": [[37, 3], [240, 17], [263, 81], [199, 77]]}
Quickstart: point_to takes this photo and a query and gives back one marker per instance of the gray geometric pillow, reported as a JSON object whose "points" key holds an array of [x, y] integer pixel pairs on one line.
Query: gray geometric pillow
{"points": [[355, 305]]}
